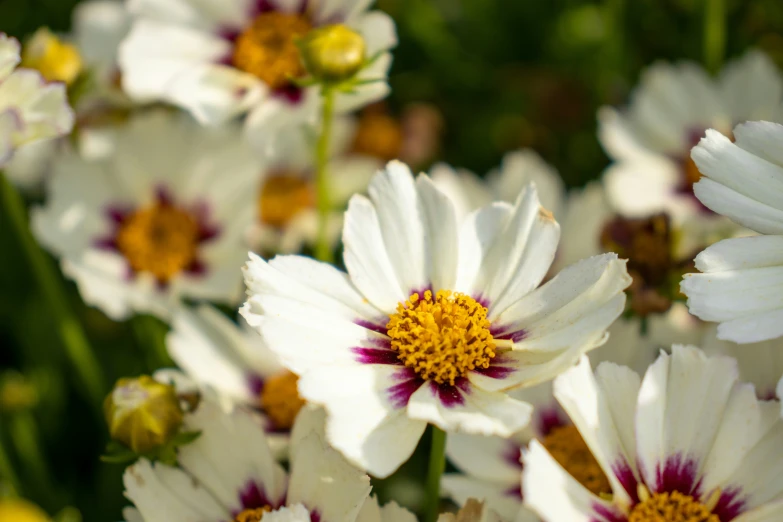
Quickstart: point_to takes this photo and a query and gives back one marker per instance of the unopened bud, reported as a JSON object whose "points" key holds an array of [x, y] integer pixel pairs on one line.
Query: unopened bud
{"points": [[19, 510], [57, 61], [142, 413], [333, 53]]}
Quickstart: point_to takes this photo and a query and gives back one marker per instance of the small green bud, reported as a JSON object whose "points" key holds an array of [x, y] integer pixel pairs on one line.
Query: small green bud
{"points": [[333, 53], [142, 413]]}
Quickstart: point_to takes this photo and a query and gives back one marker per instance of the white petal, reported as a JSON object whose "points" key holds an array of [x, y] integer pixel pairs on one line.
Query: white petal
{"points": [[478, 232], [469, 409], [640, 187], [378, 31], [522, 167], [9, 55], [440, 233], [293, 513], [752, 87], [366, 422], [499, 497], [761, 138], [486, 458], [99, 26], [766, 513]]}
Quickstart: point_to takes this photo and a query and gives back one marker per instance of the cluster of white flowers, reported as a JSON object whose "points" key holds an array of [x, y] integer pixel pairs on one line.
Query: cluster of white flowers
{"points": [[201, 130]]}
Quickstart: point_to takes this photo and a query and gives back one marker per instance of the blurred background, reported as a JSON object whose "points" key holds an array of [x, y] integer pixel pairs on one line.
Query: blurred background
{"points": [[477, 78]]}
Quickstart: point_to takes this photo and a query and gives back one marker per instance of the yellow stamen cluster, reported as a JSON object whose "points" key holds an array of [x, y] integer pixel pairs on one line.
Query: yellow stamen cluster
{"points": [[441, 338], [159, 239], [57, 61], [671, 507], [267, 48], [567, 447], [282, 197], [252, 515], [280, 399]]}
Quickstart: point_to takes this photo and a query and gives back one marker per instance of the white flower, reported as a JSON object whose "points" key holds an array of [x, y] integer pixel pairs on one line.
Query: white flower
{"points": [[236, 364], [410, 259], [741, 279], [158, 221], [668, 113], [228, 473], [220, 59], [30, 109], [472, 511], [287, 217], [688, 439], [760, 364], [518, 169]]}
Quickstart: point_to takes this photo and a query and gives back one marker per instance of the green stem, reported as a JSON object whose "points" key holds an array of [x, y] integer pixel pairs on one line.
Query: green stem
{"points": [[9, 480], [68, 327], [714, 34], [26, 439], [436, 468], [323, 247], [151, 336]]}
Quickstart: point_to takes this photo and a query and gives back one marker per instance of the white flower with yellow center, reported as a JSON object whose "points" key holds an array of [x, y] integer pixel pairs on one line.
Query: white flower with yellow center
{"points": [[30, 109], [229, 474], [742, 278], [435, 319], [688, 443], [235, 362], [156, 222], [650, 141], [220, 59]]}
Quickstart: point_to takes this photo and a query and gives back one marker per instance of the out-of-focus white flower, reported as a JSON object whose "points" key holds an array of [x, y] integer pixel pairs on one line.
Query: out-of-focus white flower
{"points": [[688, 440], [741, 281], [220, 59], [367, 344], [30, 109], [651, 140], [158, 221]]}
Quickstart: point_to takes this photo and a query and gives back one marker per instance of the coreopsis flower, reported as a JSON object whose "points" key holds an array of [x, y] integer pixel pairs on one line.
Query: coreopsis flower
{"points": [[30, 109], [713, 457], [650, 141], [85, 62], [518, 169], [229, 473], [158, 221], [235, 362], [436, 318], [242, 57], [738, 286]]}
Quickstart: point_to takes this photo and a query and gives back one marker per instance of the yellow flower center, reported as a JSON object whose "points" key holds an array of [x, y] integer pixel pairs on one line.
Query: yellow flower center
{"points": [[379, 135], [567, 447], [280, 400], [671, 507], [18, 510], [282, 197], [160, 239], [267, 48], [443, 338], [56, 60], [252, 515]]}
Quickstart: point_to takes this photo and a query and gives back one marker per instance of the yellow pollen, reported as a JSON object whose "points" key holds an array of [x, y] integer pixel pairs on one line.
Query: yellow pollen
{"points": [[267, 48], [280, 399], [57, 61], [378, 135], [283, 196], [252, 515], [159, 239], [567, 447], [671, 507], [441, 338]]}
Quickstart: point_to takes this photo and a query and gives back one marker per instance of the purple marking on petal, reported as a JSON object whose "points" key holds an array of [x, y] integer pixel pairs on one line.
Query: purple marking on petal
{"points": [[607, 514], [451, 396], [512, 454], [254, 496], [375, 327], [290, 94], [547, 419], [421, 291], [105, 243], [678, 474], [624, 474], [514, 492], [730, 505], [197, 267], [495, 372], [116, 214], [400, 393], [376, 356], [164, 196], [513, 336], [315, 516], [255, 384], [483, 301]]}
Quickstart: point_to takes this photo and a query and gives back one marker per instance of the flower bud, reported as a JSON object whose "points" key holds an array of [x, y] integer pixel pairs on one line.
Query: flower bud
{"points": [[57, 61], [142, 413], [333, 53], [20, 510]]}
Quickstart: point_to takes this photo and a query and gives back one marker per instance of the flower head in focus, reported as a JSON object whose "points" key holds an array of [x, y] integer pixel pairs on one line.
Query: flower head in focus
{"points": [[436, 318], [650, 141], [244, 58], [156, 222], [642, 435]]}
